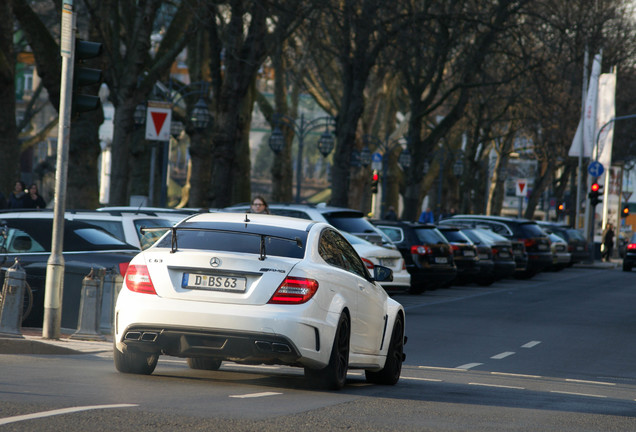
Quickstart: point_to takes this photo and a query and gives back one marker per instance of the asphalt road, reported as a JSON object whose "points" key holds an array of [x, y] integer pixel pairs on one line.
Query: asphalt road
{"points": [[551, 353]]}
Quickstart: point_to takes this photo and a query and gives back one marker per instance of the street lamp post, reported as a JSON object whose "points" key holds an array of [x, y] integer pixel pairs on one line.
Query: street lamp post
{"points": [[301, 130], [386, 147]]}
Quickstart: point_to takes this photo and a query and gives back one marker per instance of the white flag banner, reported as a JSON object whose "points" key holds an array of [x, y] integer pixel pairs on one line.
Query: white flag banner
{"points": [[589, 115], [605, 113], [589, 119]]}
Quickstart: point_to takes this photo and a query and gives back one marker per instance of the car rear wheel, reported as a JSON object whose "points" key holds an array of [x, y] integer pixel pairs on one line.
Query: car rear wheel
{"points": [[135, 363], [390, 374], [204, 363], [627, 267], [334, 375]]}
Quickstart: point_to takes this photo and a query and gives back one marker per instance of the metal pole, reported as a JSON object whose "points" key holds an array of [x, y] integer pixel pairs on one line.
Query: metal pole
{"points": [[151, 183], [164, 173], [439, 187], [299, 157], [579, 186], [51, 326]]}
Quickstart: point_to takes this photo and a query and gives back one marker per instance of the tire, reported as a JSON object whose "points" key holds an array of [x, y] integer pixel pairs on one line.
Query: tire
{"points": [[627, 268], [135, 363], [334, 375], [204, 363], [390, 374]]}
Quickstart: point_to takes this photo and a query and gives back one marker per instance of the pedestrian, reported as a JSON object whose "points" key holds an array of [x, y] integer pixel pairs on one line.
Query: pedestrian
{"points": [[390, 214], [427, 216], [259, 205], [608, 242], [17, 197], [33, 199]]}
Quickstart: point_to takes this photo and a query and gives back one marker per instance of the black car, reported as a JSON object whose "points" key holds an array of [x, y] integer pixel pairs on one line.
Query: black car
{"points": [[629, 260], [466, 256], [528, 232], [502, 253], [427, 254], [85, 247], [577, 245]]}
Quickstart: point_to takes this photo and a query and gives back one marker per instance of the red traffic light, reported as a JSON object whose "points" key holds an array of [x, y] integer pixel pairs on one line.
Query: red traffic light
{"points": [[595, 187], [376, 176]]}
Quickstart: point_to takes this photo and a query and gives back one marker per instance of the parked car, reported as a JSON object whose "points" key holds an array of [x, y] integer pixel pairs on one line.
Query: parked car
{"points": [[577, 244], [561, 258], [348, 220], [465, 255], [373, 255], [504, 265], [629, 260], [535, 240], [27, 236], [124, 225], [260, 289], [426, 252]]}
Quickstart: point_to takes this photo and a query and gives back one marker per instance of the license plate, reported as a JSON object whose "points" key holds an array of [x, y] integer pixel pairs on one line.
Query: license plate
{"points": [[387, 262], [579, 248], [441, 260], [483, 256], [469, 253], [213, 282], [504, 254], [543, 247]]}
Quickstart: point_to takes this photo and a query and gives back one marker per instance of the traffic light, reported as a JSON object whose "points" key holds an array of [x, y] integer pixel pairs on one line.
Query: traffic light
{"points": [[84, 76], [375, 179], [595, 192], [625, 211], [560, 210]]}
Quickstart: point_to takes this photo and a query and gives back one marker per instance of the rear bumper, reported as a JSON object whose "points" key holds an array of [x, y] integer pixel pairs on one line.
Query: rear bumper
{"points": [[222, 344]]}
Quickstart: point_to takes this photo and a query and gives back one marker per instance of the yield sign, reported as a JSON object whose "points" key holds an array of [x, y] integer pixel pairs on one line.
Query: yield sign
{"points": [[522, 187], [158, 119]]}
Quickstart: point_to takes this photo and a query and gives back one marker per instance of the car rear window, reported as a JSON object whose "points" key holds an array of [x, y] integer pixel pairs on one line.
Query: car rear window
{"points": [[228, 239], [352, 222], [455, 236], [530, 229], [575, 234], [430, 236]]}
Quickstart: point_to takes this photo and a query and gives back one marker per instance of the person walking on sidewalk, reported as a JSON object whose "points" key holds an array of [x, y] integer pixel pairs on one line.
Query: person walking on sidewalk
{"points": [[608, 242]]}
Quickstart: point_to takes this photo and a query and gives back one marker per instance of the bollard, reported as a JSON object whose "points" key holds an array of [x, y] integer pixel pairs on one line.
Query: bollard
{"points": [[112, 283], [12, 301], [90, 308]]}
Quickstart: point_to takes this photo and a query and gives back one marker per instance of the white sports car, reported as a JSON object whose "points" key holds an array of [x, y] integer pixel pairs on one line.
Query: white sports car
{"points": [[259, 289]]}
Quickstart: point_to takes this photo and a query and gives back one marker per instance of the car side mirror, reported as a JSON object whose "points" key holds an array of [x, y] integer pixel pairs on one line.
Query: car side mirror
{"points": [[382, 274]]}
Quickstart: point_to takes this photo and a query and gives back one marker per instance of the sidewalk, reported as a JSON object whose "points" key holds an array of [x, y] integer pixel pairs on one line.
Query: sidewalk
{"points": [[32, 342]]}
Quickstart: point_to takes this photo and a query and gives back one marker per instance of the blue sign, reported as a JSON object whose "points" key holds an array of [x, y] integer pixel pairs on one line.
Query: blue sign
{"points": [[376, 157], [595, 169]]}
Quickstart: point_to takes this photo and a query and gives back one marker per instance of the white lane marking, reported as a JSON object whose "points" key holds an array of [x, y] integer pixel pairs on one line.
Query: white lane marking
{"points": [[497, 385], [578, 394], [590, 382], [255, 395], [469, 366], [531, 344], [443, 368], [42, 414], [502, 355], [421, 379], [516, 375]]}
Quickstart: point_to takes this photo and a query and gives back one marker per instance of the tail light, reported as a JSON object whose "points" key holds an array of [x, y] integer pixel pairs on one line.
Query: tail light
{"points": [[138, 280], [454, 248], [631, 246], [421, 250], [528, 243], [294, 291], [123, 268], [403, 265], [368, 263]]}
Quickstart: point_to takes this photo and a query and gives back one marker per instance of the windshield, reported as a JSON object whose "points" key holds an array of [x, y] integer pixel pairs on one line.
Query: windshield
{"points": [[430, 236]]}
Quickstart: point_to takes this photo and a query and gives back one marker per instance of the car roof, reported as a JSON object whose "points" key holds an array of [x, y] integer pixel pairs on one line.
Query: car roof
{"points": [[320, 208], [402, 223], [504, 219], [265, 219]]}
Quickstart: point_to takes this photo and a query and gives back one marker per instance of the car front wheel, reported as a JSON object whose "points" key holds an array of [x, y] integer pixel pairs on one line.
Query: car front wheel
{"points": [[135, 363], [334, 375], [390, 374]]}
